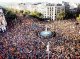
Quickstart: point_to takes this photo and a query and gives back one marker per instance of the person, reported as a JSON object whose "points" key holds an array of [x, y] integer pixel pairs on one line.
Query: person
{"points": [[1, 57]]}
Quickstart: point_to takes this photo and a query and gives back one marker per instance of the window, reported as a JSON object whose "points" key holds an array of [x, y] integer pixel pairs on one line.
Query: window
{"points": [[44, 16], [62, 9], [48, 12], [47, 8], [58, 8], [58, 11]]}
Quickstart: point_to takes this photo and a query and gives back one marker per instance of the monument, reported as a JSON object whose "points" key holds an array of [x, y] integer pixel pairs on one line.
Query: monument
{"points": [[46, 33]]}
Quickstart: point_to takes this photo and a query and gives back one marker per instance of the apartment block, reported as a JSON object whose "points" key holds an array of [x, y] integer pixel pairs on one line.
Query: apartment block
{"points": [[3, 22], [48, 10]]}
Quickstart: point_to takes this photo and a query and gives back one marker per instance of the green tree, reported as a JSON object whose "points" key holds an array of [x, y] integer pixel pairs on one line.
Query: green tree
{"points": [[39, 15], [26, 12], [9, 14], [78, 18], [36, 14], [60, 15], [78, 10]]}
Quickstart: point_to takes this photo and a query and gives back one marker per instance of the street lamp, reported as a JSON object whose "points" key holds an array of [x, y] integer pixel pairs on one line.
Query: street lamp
{"points": [[48, 51], [79, 31]]}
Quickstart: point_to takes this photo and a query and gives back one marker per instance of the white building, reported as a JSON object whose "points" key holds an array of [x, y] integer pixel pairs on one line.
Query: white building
{"points": [[3, 22], [59, 8], [48, 10]]}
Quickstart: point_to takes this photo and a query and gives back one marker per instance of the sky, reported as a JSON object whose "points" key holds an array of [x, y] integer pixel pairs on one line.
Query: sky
{"points": [[51, 1]]}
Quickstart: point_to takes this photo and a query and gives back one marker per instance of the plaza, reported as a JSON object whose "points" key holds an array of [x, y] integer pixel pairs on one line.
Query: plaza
{"points": [[21, 41]]}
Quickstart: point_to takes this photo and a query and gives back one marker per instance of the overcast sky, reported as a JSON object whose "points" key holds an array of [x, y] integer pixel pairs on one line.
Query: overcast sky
{"points": [[51, 1]]}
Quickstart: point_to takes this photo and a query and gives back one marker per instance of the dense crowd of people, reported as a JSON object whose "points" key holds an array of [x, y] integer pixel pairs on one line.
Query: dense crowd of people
{"points": [[21, 41]]}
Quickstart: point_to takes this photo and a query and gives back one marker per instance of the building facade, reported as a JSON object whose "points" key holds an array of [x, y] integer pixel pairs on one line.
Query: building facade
{"points": [[3, 22], [50, 10]]}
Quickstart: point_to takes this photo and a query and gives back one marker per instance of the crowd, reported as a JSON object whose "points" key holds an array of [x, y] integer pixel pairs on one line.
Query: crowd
{"points": [[22, 42]]}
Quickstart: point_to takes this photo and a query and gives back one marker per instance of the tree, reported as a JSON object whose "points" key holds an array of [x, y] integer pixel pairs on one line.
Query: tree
{"points": [[10, 15], [78, 10], [26, 12], [36, 14], [78, 18], [60, 15]]}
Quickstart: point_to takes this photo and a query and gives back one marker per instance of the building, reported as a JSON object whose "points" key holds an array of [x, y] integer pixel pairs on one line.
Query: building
{"points": [[73, 7], [50, 10], [3, 22], [59, 8], [67, 6], [70, 6]]}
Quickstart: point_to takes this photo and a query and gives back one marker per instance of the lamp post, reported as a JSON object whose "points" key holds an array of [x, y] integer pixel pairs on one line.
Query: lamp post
{"points": [[48, 51], [79, 31]]}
